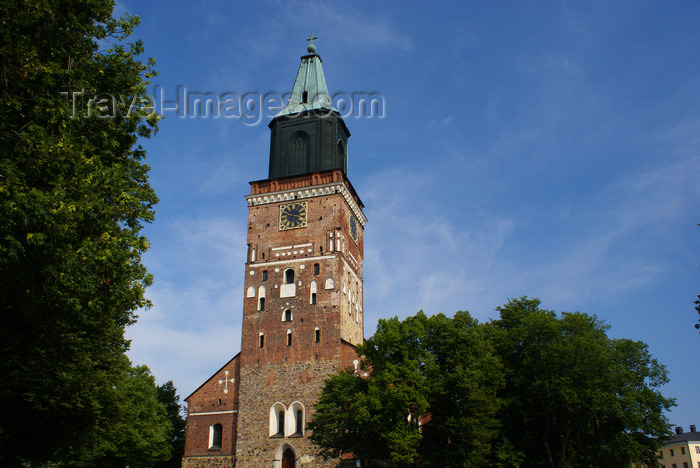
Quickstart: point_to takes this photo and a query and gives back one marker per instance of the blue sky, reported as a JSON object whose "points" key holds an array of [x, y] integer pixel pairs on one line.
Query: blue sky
{"points": [[547, 149]]}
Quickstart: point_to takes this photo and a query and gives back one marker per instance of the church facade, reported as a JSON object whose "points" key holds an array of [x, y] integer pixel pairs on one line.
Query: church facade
{"points": [[302, 298]]}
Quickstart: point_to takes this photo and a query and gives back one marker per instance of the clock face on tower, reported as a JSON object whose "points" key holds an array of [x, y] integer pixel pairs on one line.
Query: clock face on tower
{"points": [[293, 215]]}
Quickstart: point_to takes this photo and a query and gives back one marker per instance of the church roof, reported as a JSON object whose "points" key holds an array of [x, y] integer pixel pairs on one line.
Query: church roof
{"points": [[310, 91]]}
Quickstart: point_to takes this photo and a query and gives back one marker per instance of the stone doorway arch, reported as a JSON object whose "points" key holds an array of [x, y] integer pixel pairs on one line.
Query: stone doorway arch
{"points": [[285, 457]]}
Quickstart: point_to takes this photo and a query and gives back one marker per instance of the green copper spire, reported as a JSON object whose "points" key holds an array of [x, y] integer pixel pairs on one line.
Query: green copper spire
{"points": [[310, 90], [308, 135]]}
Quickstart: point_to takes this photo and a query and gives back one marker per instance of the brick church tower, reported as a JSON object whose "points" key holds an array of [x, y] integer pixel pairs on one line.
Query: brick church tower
{"points": [[302, 304]]}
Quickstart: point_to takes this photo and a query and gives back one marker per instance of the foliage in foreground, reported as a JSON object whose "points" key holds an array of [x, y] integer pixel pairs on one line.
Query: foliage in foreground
{"points": [[74, 195], [531, 389]]}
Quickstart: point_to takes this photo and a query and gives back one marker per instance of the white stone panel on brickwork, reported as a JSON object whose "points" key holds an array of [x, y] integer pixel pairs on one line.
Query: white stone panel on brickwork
{"points": [[288, 290]]}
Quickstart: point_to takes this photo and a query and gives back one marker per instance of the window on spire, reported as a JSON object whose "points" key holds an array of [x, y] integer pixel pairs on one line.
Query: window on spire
{"points": [[305, 97]]}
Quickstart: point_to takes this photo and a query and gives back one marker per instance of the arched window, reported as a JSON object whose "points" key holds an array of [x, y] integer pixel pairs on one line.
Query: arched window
{"points": [[305, 97], [280, 423], [261, 340], [289, 337], [277, 420], [341, 150], [299, 422], [298, 155], [261, 298], [287, 316], [215, 435], [317, 335], [313, 289], [295, 427], [289, 276]]}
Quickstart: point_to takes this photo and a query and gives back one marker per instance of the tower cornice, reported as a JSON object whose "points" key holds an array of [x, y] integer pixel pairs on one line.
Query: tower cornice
{"points": [[317, 184]]}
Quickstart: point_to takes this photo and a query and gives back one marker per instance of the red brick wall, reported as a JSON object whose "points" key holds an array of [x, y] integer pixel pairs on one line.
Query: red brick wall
{"points": [[210, 405]]}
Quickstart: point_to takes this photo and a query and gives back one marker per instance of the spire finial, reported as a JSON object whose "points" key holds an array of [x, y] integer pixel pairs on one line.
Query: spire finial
{"points": [[311, 48]]}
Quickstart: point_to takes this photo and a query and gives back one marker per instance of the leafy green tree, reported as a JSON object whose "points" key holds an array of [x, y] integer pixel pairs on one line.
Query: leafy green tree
{"points": [[167, 395], [439, 371], [74, 195], [133, 429], [347, 419], [396, 357], [464, 376], [574, 396]]}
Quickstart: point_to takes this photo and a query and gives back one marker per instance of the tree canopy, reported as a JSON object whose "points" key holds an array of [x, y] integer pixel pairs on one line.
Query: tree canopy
{"points": [[74, 195], [439, 366], [530, 389]]}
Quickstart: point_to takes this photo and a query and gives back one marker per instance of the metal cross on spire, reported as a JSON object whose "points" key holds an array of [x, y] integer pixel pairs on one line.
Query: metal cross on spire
{"points": [[226, 381], [311, 48]]}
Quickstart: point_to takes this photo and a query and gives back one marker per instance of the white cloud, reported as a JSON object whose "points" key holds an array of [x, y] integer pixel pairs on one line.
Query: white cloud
{"points": [[192, 330]]}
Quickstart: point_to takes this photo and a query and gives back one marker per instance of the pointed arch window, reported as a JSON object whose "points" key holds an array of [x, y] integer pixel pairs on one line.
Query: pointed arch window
{"points": [[295, 427], [277, 412], [287, 316]]}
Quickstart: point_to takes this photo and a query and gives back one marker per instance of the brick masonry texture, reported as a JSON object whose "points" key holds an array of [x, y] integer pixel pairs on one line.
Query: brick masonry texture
{"points": [[316, 337]]}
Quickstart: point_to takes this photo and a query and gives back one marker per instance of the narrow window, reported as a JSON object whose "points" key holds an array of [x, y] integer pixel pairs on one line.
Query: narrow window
{"points": [[287, 316], [317, 268], [219, 401], [671, 452], [280, 423], [305, 97], [682, 450], [341, 150], [261, 340], [289, 276], [289, 338], [313, 289], [264, 275], [261, 298], [317, 335], [300, 422], [215, 433]]}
